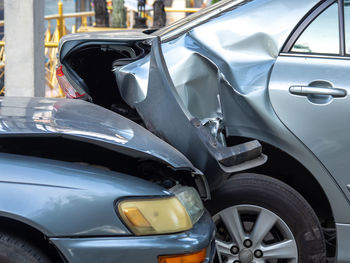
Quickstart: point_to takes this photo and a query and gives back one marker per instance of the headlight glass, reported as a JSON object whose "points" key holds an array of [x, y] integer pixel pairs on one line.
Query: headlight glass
{"points": [[191, 200], [154, 216]]}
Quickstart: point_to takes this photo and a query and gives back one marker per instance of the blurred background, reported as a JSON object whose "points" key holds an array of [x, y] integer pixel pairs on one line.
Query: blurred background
{"points": [[73, 16]]}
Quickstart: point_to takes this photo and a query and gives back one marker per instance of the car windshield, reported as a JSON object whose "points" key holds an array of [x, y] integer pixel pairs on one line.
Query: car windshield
{"points": [[183, 25]]}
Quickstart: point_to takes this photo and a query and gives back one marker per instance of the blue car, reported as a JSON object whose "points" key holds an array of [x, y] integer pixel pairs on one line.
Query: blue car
{"points": [[79, 183]]}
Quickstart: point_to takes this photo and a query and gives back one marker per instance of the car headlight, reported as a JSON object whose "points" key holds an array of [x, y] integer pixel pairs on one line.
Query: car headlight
{"points": [[191, 200], [152, 216]]}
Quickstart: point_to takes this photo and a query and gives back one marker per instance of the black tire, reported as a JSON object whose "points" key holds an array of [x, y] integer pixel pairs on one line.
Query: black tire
{"points": [[280, 199], [16, 250]]}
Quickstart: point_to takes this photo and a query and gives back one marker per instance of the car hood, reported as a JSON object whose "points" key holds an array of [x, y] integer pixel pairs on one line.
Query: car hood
{"points": [[83, 121]]}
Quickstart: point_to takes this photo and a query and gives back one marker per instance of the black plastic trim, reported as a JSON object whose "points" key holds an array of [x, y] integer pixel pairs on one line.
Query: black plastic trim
{"points": [[215, 160], [314, 55], [341, 27]]}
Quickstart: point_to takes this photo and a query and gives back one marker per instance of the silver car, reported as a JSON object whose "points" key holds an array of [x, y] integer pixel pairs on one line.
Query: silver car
{"points": [[272, 70]]}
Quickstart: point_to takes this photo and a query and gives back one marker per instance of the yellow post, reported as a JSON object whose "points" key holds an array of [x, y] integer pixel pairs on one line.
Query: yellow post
{"points": [[84, 21], [60, 21]]}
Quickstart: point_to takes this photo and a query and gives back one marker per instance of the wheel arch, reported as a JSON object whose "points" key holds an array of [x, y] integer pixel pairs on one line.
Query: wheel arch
{"points": [[283, 166], [32, 235]]}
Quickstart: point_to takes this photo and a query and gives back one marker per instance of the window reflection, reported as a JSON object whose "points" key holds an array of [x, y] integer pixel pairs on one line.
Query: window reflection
{"points": [[322, 35]]}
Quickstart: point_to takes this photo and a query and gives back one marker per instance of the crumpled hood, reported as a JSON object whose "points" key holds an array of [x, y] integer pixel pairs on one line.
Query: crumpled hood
{"points": [[83, 121]]}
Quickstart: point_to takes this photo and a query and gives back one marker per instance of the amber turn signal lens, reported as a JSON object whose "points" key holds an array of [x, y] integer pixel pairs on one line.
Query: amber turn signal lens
{"points": [[135, 217], [197, 257]]}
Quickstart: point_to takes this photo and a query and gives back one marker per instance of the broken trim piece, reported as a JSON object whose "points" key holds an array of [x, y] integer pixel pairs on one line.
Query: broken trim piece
{"points": [[227, 156]]}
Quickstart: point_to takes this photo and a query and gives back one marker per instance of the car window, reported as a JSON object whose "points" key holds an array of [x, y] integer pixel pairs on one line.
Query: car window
{"points": [[322, 35], [347, 25]]}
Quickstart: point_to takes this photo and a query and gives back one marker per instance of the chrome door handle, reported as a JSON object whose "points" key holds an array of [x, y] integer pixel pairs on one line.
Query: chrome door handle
{"points": [[309, 90]]}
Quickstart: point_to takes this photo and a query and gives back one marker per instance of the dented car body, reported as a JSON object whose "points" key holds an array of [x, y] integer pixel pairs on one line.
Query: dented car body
{"points": [[27, 122], [68, 169], [214, 83]]}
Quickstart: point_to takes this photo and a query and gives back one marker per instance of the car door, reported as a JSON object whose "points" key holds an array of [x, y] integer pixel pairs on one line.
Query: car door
{"points": [[310, 85]]}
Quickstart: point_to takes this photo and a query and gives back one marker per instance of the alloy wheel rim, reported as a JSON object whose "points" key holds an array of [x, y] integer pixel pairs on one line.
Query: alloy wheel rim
{"points": [[253, 234]]}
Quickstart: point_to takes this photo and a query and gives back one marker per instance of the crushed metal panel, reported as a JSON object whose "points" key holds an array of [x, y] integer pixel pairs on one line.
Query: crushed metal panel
{"points": [[244, 48], [132, 80], [199, 88], [240, 42], [210, 70], [83, 121], [240, 49], [164, 113]]}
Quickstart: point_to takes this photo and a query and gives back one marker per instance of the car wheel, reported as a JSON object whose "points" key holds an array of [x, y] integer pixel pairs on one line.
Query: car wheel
{"points": [[16, 250], [261, 219]]}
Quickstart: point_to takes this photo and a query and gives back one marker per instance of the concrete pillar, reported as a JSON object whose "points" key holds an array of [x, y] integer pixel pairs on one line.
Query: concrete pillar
{"points": [[24, 48]]}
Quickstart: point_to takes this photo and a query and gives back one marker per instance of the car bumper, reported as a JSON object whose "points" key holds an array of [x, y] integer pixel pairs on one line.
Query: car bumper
{"points": [[140, 249]]}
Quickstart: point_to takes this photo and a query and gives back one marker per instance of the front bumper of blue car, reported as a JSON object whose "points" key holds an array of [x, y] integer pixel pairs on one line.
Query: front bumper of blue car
{"points": [[140, 248]]}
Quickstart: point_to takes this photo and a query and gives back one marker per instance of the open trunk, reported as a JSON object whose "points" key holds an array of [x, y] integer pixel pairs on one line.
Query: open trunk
{"points": [[91, 68]]}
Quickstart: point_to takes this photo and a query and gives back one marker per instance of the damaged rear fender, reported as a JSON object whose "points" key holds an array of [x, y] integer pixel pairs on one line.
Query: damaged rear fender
{"points": [[165, 114]]}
